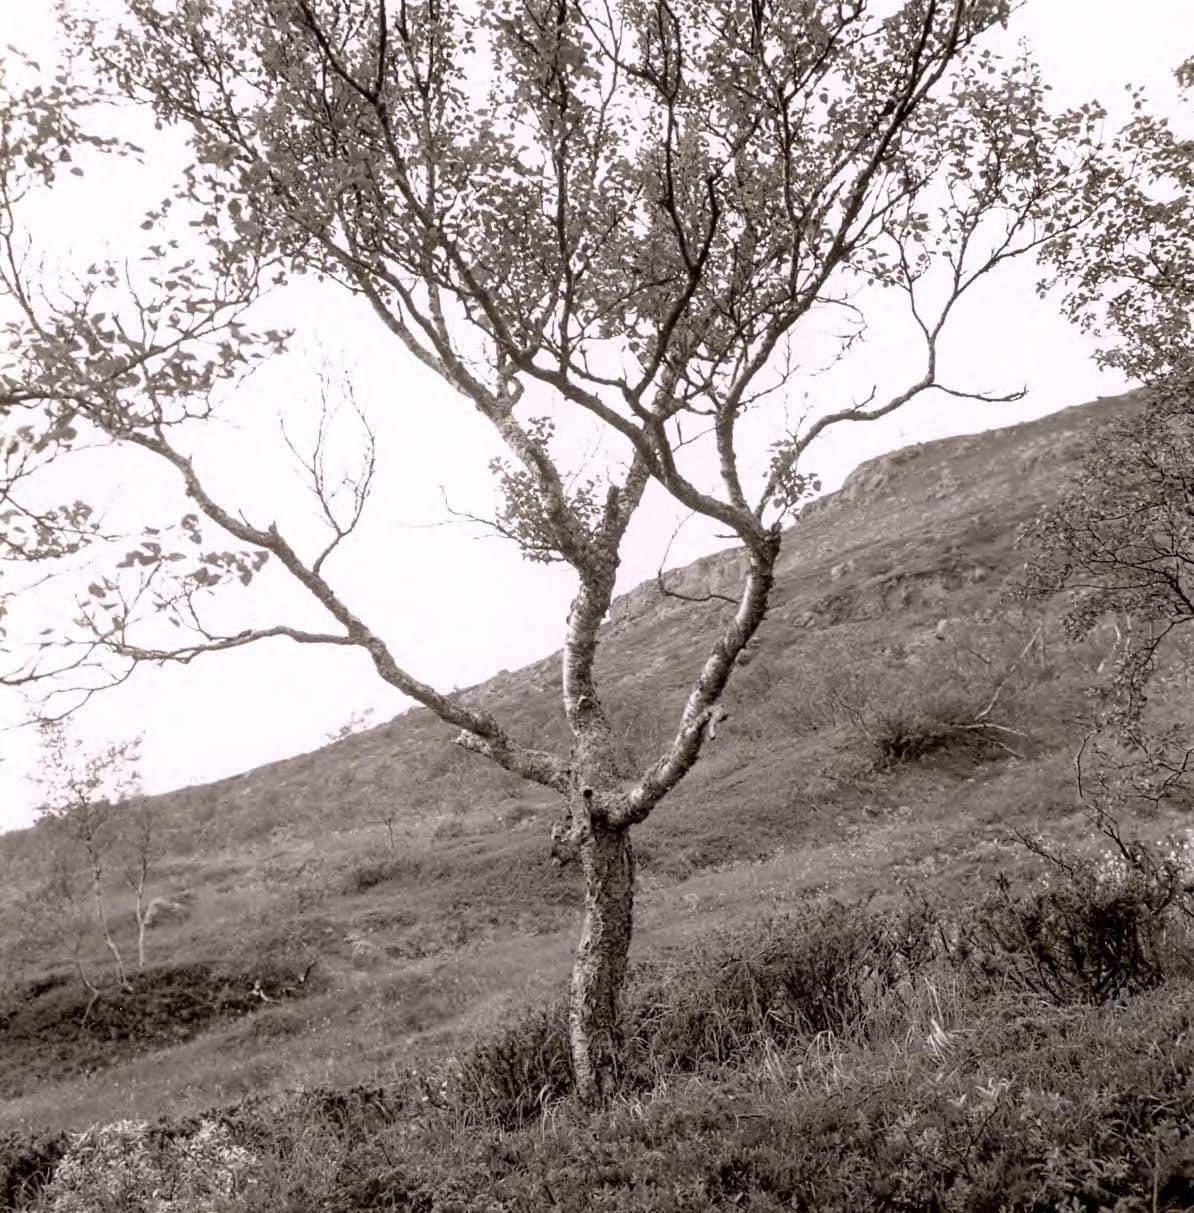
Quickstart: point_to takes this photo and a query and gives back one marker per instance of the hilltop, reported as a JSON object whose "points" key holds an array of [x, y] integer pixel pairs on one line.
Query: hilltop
{"points": [[358, 914]]}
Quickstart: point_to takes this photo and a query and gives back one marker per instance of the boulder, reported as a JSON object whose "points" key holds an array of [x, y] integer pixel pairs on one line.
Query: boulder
{"points": [[162, 911]]}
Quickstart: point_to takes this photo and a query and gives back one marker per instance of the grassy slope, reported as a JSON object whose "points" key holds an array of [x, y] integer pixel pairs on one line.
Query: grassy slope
{"points": [[421, 945]]}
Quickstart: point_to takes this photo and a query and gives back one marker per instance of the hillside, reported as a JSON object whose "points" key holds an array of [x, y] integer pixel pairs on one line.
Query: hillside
{"points": [[919, 533], [412, 883]]}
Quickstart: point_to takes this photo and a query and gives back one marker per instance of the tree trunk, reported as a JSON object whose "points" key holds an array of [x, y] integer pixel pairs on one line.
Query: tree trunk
{"points": [[594, 1019], [92, 988], [102, 915], [141, 925]]}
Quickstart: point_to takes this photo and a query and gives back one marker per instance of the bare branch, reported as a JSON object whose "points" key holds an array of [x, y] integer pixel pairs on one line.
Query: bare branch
{"points": [[670, 593], [357, 484]]}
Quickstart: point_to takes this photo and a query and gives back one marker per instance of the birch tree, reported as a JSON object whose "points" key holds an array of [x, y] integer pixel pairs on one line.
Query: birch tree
{"points": [[639, 214], [83, 793], [142, 847], [55, 921]]}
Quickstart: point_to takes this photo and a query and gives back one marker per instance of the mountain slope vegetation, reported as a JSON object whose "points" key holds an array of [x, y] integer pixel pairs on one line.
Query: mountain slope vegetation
{"points": [[381, 918]]}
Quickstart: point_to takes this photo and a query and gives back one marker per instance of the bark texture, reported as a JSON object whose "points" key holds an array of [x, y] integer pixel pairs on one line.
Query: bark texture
{"points": [[594, 1021]]}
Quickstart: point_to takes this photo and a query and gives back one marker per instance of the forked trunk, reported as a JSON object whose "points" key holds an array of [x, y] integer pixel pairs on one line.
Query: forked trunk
{"points": [[594, 1020]]}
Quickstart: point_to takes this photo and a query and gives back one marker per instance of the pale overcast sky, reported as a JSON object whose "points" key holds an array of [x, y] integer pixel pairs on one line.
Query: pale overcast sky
{"points": [[457, 607]]}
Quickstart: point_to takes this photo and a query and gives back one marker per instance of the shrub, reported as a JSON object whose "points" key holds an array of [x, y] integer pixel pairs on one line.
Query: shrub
{"points": [[129, 1167], [1013, 1123], [508, 1078], [999, 1113], [967, 691], [27, 1162], [51, 1030], [906, 729], [448, 827], [364, 874], [905, 714], [824, 968], [1095, 929]]}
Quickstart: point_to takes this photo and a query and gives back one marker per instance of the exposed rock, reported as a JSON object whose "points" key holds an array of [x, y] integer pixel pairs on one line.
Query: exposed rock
{"points": [[944, 626], [162, 911], [970, 471], [870, 477]]}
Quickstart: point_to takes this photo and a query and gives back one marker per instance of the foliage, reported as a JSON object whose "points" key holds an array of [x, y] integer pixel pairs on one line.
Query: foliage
{"points": [[87, 832], [127, 1167], [824, 969], [525, 516], [1120, 540], [366, 873], [51, 1030], [81, 785], [688, 235], [1012, 1125], [1094, 931], [1129, 280], [997, 1111], [54, 920], [1098, 928], [963, 1098], [974, 689], [510, 1077], [27, 1162]]}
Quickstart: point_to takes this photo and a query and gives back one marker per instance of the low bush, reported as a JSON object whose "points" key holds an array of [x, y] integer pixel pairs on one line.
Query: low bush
{"points": [[510, 1077], [365, 873], [27, 1162], [995, 1111], [53, 1028], [824, 968], [321, 1150], [1092, 931], [132, 1167], [967, 693], [1008, 1122], [834, 969], [909, 713]]}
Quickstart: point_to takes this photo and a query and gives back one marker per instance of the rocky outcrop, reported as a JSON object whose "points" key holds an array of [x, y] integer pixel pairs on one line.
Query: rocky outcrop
{"points": [[903, 494]]}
